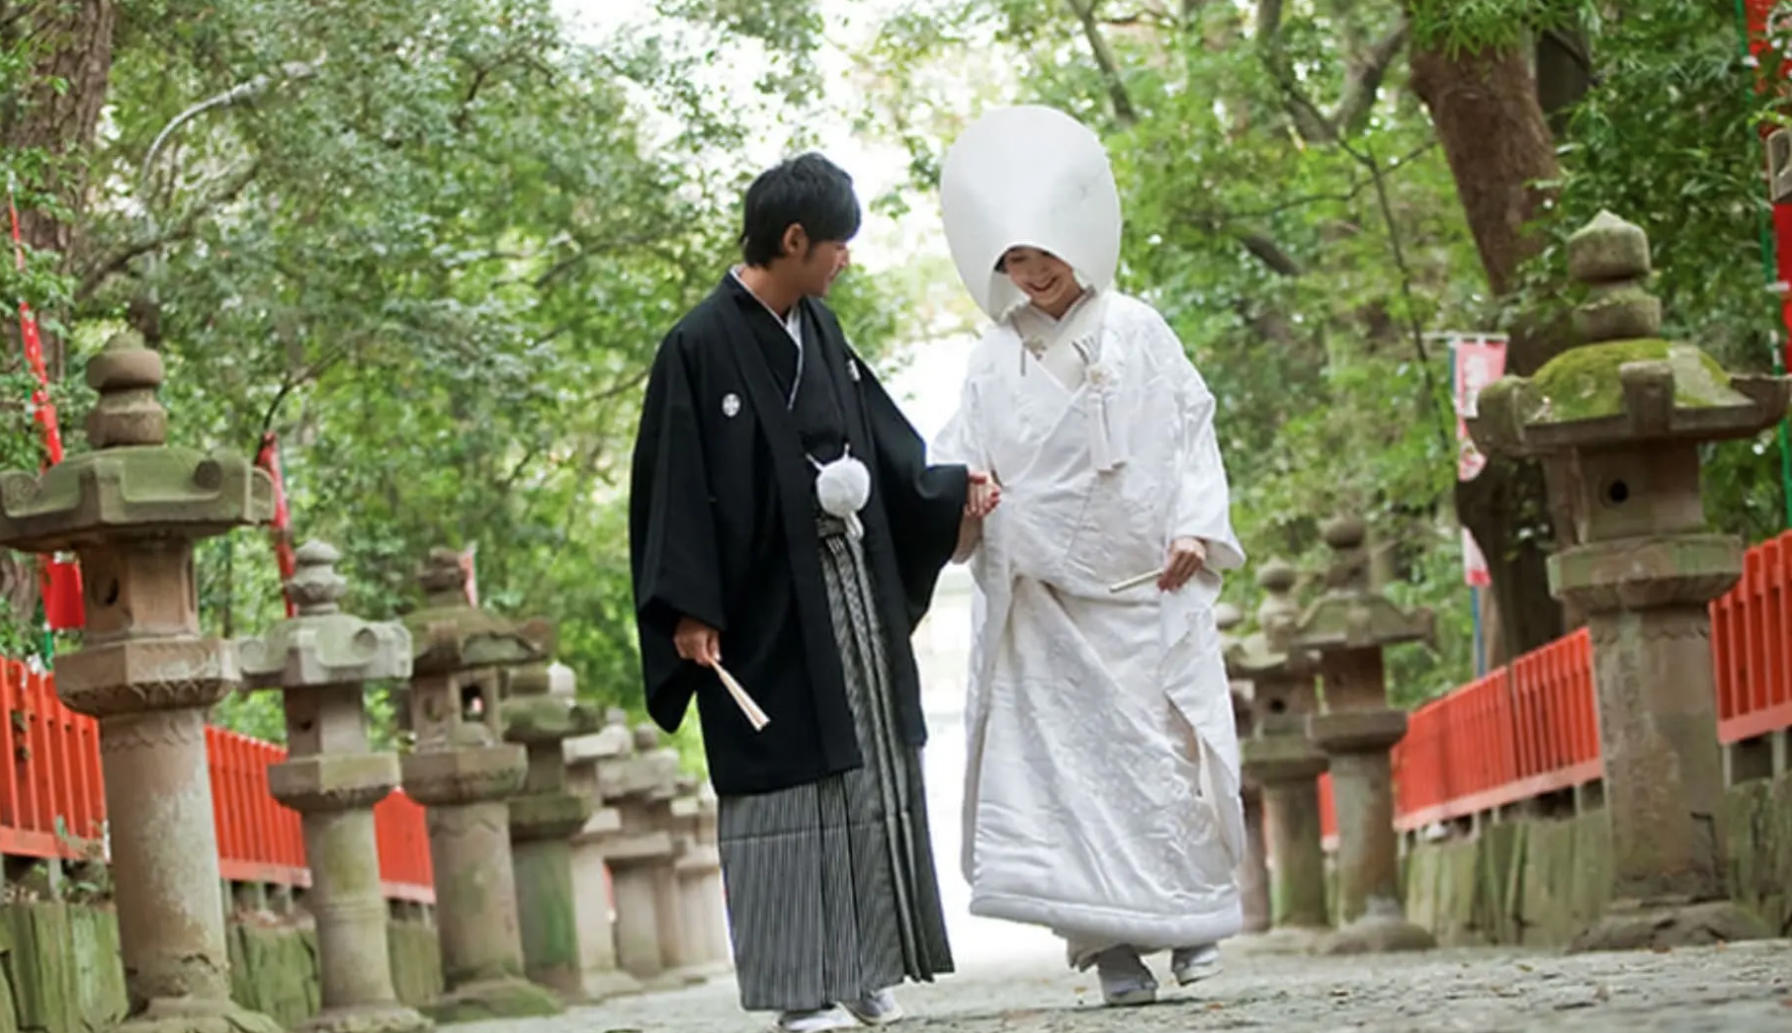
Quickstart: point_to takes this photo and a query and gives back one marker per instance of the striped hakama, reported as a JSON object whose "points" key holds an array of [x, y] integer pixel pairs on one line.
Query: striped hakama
{"points": [[831, 888]]}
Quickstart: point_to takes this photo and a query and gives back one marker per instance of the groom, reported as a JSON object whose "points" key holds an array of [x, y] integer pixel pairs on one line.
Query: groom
{"points": [[831, 888]]}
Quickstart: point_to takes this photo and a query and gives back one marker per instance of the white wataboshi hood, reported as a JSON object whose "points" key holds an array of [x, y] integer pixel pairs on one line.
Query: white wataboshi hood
{"points": [[1029, 176]]}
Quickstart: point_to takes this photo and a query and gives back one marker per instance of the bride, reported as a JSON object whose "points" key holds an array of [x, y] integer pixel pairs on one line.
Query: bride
{"points": [[1102, 787]]}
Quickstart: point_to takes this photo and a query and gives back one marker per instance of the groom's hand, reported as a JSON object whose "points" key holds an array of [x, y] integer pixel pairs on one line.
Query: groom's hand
{"points": [[984, 495], [697, 642]]}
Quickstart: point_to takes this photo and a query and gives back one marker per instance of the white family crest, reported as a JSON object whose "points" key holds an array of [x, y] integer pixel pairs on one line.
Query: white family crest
{"points": [[852, 369], [731, 405]]}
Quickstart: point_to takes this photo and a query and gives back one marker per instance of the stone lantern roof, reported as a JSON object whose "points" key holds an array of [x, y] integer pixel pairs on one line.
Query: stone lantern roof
{"points": [[1270, 649], [1350, 614], [322, 645], [1628, 386], [449, 634], [132, 481]]}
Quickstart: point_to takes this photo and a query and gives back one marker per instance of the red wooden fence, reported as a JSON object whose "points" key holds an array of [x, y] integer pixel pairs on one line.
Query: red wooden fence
{"points": [[1532, 727], [52, 802], [1524, 730]]}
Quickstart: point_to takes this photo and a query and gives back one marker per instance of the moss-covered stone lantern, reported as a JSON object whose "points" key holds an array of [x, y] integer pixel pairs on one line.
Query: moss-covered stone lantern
{"points": [[320, 660], [1627, 413], [1349, 627], [132, 508], [1280, 757], [464, 772]]}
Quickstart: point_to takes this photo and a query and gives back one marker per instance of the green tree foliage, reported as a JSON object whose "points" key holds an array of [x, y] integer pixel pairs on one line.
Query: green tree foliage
{"points": [[432, 247], [1289, 211]]}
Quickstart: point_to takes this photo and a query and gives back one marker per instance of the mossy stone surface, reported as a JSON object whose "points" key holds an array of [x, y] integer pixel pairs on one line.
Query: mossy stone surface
{"points": [[494, 999], [41, 965], [1583, 383]]}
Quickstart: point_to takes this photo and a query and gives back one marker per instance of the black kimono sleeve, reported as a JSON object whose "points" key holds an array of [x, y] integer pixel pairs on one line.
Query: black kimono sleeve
{"points": [[671, 534], [924, 504]]}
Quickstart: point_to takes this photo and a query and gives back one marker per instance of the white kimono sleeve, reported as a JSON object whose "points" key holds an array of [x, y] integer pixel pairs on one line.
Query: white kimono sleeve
{"points": [[1203, 507], [960, 442]]}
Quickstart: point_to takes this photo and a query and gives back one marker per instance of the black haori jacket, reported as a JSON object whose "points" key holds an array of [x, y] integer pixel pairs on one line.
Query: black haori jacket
{"points": [[722, 528]]}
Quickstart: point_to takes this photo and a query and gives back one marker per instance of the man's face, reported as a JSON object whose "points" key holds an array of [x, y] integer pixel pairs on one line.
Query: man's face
{"points": [[1046, 280], [811, 266]]}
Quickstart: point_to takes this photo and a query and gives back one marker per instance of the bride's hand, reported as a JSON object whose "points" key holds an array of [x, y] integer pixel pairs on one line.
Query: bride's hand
{"points": [[984, 495], [1187, 557]]}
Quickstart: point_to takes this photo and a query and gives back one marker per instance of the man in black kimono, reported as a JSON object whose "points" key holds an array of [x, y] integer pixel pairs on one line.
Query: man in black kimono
{"points": [[782, 515]]}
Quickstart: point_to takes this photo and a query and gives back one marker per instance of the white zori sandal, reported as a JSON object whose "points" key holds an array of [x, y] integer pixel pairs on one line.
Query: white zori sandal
{"points": [[1125, 981]]}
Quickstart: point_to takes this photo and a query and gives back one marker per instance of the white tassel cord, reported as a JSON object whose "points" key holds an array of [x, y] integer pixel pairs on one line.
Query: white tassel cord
{"points": [[843, 487]]}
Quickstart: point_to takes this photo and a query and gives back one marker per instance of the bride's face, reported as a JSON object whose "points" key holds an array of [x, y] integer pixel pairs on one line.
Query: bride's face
{"points": [[1046, 280]]}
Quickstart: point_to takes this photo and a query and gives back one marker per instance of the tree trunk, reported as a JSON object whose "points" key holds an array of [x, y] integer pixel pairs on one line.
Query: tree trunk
{"points": [[1486, 112], [57, 113]]}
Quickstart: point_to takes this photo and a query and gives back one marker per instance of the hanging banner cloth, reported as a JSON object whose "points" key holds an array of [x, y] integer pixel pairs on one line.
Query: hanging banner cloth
{"points": [[63, 607], [268, 458]]}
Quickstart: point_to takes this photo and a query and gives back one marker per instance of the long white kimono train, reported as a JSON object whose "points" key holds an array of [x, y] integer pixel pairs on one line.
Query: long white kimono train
{"points": [[1101, 787]]}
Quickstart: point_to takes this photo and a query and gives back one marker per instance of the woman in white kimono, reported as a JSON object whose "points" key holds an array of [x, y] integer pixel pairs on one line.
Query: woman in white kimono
{"points": [[1102, 789]]}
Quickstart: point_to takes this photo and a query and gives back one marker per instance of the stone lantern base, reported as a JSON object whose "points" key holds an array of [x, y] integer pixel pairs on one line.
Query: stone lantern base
{"points": [[506, 997], [1629, 926], [1385, 933], [1288, 768], [368, 1018], [541, 828], [189, 1015], [466, 790]]}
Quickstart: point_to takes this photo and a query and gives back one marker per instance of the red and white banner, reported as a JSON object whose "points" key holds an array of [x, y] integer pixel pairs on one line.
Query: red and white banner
{"points": [[1476, 360], [64, 608]]}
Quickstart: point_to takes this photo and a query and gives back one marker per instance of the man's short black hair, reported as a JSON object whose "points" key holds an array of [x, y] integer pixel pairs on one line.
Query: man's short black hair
{"points": [[809, 191]]}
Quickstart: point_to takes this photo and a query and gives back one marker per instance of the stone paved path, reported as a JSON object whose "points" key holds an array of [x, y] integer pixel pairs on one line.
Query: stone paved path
{"points": [[1740, 989]]}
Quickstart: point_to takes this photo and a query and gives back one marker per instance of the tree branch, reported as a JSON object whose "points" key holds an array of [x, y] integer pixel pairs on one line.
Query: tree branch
{"points": [[1269, 253], [1364, 80], [1104, 60], [1367, 159], [1361, 83], [292, 380], [96, 276]]}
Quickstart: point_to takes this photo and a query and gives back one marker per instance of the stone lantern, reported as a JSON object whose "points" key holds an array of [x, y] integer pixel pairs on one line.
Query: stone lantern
{"points": [[541, 714], [464, 773], [703, 903], [131, 509], [1627, 414], [588, 758], [1349, 626], [320, 660], [1279, 756], [1252, 873], [642, 857]]}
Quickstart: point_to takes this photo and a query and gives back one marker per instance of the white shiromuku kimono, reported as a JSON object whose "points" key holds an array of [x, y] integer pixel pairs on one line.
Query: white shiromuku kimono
{"points": [[1102, 781]]}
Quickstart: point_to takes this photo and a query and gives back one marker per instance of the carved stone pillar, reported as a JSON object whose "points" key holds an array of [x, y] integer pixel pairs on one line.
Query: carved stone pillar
{"points": [[705, 911], [131, 509], [1253, 872], [320, 660], [641, 860]]}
